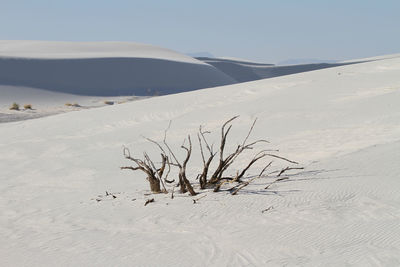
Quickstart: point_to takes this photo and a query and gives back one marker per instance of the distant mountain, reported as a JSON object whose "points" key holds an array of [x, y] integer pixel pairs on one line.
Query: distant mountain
{"points": [[298, 61], [200, 54]]}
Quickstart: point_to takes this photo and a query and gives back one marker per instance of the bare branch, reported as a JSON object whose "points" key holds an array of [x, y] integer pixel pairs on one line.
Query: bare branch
{"points": [[287, 169], [166, 130], [224, 135], [266, 167], [282, 178], [249, 181], [169, 170], [168, 148], [206, 164], [251, 129], [254, 160], [172, 153], [156, 143], [205, 140], [277, 180], [201, 148], [131, 168], [279, 157], [189, 152], [183, 181]]}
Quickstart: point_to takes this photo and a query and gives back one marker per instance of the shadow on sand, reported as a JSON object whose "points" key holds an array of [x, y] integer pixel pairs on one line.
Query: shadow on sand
{"points": [[248, 71], [110, 76]]}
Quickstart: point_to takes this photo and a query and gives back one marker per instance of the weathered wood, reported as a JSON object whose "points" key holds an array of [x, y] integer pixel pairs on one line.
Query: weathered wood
{"points": [[154, 175], [206, 163]]}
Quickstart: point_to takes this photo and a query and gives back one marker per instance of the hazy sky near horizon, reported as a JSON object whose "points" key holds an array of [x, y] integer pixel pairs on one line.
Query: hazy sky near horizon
{"points": [[261, 30]]}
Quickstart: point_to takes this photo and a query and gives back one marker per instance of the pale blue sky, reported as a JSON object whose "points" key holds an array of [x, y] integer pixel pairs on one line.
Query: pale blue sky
{"points": [[263, 30]]}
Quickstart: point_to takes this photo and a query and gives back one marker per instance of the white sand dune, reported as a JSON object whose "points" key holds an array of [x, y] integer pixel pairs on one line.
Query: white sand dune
{"points": [[125, 69], [85, 50], [244, 71], [103, 68], [372, 58], [342, 124]]}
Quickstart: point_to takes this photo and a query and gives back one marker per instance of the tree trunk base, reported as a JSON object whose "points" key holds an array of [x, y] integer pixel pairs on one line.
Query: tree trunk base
{"points": [[155, 186]]}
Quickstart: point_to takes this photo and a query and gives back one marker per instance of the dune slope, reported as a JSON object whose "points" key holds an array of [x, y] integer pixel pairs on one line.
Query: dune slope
{"points": [[103, 68], [342, 124], [244, 71]]}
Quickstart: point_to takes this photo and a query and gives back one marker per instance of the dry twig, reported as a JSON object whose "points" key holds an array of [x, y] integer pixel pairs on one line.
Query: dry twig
{"points": [[149, 201]]}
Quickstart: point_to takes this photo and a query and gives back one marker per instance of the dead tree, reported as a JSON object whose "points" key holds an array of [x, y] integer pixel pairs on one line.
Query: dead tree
{"points": [[154, 175], [225, 162], [157, 176]]}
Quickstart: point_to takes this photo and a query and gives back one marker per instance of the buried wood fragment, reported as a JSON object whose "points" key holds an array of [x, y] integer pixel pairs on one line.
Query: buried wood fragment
{"points": [[149, 201], [267, 209], [196, 200]]}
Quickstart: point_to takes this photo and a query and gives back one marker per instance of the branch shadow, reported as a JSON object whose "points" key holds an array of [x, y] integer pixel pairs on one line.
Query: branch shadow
{"points": [[275, 180]]}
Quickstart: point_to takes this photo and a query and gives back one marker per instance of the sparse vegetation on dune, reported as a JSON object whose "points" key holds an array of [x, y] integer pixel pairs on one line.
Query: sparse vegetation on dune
{"points": [[27, 106], [158, 176], [72, 105], [14, 106]]}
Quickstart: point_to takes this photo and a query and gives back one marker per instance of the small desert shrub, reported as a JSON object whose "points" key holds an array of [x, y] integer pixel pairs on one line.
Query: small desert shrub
{"points": [[72, 105], [14, 106], [27, 106], [109, 102]]}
